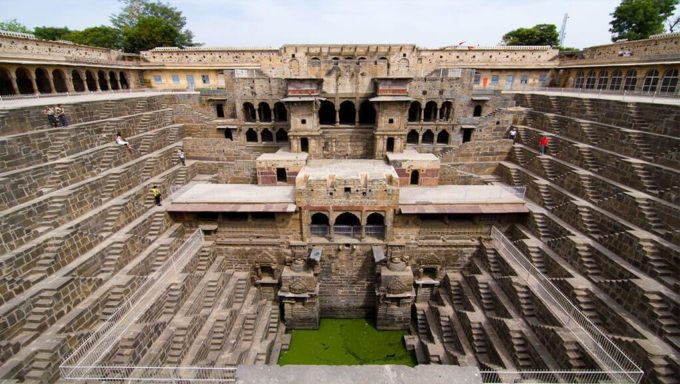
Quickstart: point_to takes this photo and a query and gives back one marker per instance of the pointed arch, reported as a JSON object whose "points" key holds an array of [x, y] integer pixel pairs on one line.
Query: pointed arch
{"points": [[412, 137], [101, 78], [443, 137], [251, 136], [430, 111], [428, 137], [90, 81], [249, 113], [281, 136], [347, 218], [267, 136]]}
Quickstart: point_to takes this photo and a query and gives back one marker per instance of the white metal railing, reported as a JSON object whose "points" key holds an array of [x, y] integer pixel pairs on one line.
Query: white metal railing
{"points": [[7, 98], [617, 366], [84, 362], [601, 92]]}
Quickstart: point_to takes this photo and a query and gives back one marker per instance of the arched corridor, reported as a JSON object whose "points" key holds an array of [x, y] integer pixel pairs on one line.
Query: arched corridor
{"points": [[42, 81], [78, 82], [123, 81], [430, 111], [327, 113], [6, 86], [280, 112], [347, 113], [264, 112], [366, 113], [414, 112], [249, 113], [320, 224], [91, 81], [101, 76], [113, 81], [59, 81], [24, 82]]}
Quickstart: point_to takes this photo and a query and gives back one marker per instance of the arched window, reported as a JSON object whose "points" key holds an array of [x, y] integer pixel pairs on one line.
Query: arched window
{"points": [[602, 79], [366, 113], [347, 112], [314, 62], [446, 111], [264, 112], [412, 137], [578, 83], [320, 219], [651, 81], [670, 81], [266, 136], [430, 111], [375, 219], [280, 112], [335, 60], [6, 86], [428, 137], [590, 80], [281, 136], [347, 218], [443, 137], [615, 84], [251, 136], [123, 80], [414, 112], [414, 179], [249, 112], [113, 81], [59, 81], [91, 81], [78, 82], [477, 111], [361, 61], [41, 80], [327, 113], [101, 76], [631, 80]]}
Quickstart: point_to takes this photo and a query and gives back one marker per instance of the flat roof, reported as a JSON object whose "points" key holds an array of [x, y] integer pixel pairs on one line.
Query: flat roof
{"points": [[283, 154], [460, 199], [234, 198], [346, 169], [411, 154]]}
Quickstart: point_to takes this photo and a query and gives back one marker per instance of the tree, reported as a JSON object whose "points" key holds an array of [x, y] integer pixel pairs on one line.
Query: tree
{"points": [[539, 34], [13, 25], [137, 11], [639, 19], [102, 36], [51, 33], [150, 32]]}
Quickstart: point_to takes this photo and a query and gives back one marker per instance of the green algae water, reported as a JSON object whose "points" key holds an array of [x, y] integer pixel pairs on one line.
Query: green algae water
{"points": [[347, 342]]}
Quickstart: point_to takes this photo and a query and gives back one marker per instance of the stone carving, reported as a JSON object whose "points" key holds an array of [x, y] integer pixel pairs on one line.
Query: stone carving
{"points": [[396, 286], [297, 287]]}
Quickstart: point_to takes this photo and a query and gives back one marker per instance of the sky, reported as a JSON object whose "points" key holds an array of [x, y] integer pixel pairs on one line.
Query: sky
{"points": [[273, 23]]}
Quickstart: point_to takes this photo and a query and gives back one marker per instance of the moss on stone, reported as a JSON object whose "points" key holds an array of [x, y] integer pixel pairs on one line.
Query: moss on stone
{"points": [[347, 342]]}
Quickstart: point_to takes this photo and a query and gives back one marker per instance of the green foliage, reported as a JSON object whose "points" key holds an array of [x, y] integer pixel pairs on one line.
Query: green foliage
{"points": [[150, 32], [102, 36], [52, 33], [141, 19], [539, 34], [639, 19], [13, 25]]}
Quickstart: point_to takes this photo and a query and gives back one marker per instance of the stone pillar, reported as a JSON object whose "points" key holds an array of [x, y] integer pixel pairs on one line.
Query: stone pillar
{"points": [[395, 293], [13, 78], [337, 117], [53, 89], [299, 294], [35, 85], [69, 83]]}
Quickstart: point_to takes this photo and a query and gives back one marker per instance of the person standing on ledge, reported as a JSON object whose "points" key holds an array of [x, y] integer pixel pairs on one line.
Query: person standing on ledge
{"points": [[513, 134], [156, 193], [543, 144], [61, 116], [180, 155]]}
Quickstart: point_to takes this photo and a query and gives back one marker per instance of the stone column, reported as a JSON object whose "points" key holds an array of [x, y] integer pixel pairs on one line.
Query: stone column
{"points": [[337, 117], [35, 84], [69, 83], [13, 78], [53, 88]]}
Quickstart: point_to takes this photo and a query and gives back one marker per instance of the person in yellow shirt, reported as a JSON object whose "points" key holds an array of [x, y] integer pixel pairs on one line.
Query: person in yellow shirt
{"points": [[156, 193]]}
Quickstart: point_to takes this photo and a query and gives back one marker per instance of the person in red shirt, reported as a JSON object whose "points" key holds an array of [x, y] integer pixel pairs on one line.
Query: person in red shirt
{"points": [[543, 144]]}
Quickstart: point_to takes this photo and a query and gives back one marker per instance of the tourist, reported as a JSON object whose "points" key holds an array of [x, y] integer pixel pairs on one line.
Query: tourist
{"points": [[543, 144], [513, 134], [156, 193], [180, 155], [49, 111], [121, 141], [61, 116]]}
